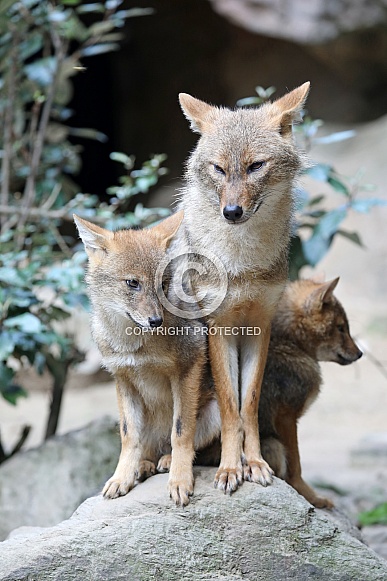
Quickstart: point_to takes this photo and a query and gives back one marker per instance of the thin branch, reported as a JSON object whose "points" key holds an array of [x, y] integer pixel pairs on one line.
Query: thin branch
{"points": [[38, 213], [374, 360], [60, 240], [8, 120], [23, 436], [29, 190]]}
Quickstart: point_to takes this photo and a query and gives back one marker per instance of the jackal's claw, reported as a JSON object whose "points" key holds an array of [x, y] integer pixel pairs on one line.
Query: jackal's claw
{"points": [[228, 479], [164, 464], [116, 487], [180, 491], [145, 470], [258, 471]]}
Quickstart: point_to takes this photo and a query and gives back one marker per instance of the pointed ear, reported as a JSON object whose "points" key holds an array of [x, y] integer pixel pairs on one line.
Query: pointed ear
{"points": [[93, 237], [199, 114], [166, 229], [321, 295], [287, 109]]}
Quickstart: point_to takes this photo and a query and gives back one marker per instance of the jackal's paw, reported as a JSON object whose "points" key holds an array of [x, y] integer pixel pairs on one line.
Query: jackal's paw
{"points": [[145, 470], [181, 489], [258, 471], [228, 479], [164, 464], [117, 486], [321, 502]]}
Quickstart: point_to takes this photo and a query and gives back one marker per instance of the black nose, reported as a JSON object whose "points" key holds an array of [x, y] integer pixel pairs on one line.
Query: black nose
{"points": [[232, 213], [155, 321]]}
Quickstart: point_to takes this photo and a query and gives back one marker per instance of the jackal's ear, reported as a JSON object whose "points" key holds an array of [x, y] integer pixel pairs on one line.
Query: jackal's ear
{"points": [[321, 295], [166, 229], [93, 237], [287, 109], [200, 115]]}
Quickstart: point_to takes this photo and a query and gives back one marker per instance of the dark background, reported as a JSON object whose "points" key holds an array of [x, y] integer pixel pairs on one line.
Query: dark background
{"points": [[131, 95]]}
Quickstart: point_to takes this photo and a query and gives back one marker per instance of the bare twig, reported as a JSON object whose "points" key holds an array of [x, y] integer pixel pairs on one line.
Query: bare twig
{"points": [[37, 214], [29, 190], [60, 240], [7, 132], [374, 360]]}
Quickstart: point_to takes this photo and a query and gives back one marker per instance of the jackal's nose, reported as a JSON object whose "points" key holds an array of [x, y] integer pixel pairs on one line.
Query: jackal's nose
{"points": [[155, 321], [232, 213]]}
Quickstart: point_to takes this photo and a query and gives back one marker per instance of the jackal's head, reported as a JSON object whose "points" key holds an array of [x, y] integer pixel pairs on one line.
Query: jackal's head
{"points": [[317, 321], [244, 157], [122, 268]]}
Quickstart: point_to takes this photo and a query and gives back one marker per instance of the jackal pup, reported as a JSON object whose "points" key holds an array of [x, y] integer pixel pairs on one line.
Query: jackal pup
{"points": [[158, 375], [238, 205], [309, 326]]}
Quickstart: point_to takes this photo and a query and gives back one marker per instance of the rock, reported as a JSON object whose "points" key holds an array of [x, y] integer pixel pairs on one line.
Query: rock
{"points": [[316, 21], [45, 485], [257, 534]]}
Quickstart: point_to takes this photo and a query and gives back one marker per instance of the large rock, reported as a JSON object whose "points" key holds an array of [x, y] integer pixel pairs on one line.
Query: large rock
{"points": [[45, 485], [309, 22], [257, 534]]}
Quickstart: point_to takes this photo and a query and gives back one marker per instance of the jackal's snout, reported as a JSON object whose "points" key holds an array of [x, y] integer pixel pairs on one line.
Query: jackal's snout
{"points": [[233, 213], [155, 322]]}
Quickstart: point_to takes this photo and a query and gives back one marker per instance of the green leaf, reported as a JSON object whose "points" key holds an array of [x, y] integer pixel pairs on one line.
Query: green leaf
{"points": [[42, 71], [319, 172], [353, 236], [376, 516], [335, 137], [297, 258], [127, 160], [7, 345], [5, 4], [364, 205], [99, 49], [318, 244], [87, 133], [92, 7], [6, 375], [338, 185], [28, 323], [329, 223], [12, 393]]}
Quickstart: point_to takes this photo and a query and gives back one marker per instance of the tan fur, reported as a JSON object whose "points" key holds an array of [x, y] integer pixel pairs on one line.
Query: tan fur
{"points": [[310, 326], [160, 379], [244, 158]]}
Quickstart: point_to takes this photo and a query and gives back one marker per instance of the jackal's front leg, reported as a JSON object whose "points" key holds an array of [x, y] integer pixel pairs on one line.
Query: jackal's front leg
{"points": [[224, 366], [130, 466], [185, 407], [253, 360]]}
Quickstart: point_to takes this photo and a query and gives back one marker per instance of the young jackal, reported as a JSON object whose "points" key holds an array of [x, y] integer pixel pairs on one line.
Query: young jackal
{"points": [[238, 205], [309, 326], [160, 376]]}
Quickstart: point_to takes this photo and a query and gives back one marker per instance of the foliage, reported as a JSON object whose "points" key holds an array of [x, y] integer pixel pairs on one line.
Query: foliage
{"points": [[376, 516], [316, 226], [43, 44]]}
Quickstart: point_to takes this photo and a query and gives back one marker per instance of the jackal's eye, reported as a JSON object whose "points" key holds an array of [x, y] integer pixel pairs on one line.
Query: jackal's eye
{"points": [[133, 284], [257, 165], [219, 169], [341, 328]]}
